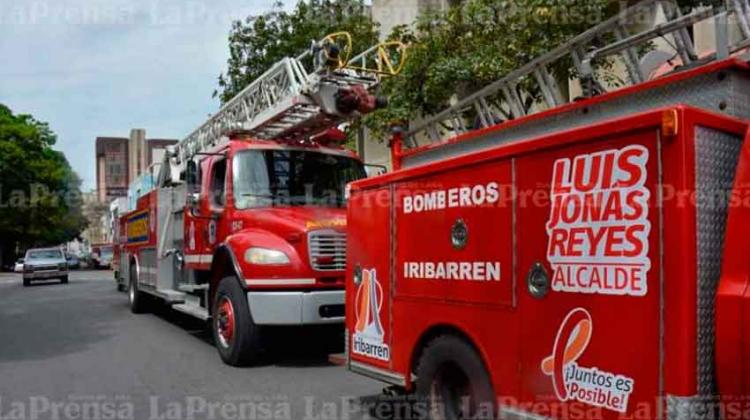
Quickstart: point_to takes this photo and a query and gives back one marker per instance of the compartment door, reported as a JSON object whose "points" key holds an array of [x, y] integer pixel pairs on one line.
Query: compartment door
{"points": [[589, 278], [368, 285]]}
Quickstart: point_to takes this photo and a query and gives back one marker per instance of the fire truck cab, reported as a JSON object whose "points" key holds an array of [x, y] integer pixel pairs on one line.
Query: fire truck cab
{"points": [[585, 259], [254, 237], [246, 225]]}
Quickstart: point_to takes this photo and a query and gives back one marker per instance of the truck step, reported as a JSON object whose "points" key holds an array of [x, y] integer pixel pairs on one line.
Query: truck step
{"points": [[171, 296], [192, 310], [191, 288]]}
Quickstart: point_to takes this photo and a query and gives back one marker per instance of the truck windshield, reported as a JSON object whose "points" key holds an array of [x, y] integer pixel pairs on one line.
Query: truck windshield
{"points": [[266, 178]]}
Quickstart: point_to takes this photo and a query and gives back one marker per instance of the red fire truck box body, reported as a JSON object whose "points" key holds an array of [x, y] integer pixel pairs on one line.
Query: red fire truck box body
{"points": [[581, 264]]}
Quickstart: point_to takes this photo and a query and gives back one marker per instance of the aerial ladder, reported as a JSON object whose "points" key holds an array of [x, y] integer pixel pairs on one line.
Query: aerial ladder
{"points": [[535, 87], [299, 97]]}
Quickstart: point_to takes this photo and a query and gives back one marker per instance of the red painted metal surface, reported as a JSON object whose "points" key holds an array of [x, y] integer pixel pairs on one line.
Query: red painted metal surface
{"points": [[733, 298], [368, 309], [622, 308], [226, 321]]}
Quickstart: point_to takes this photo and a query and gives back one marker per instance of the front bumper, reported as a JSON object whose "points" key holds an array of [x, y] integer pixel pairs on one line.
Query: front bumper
{"points": [[41, 275], [297, 308]]}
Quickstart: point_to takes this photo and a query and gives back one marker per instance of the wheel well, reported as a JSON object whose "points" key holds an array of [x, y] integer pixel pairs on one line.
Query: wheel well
{"points": [[132, 265], [437, 331], [222, 266]]}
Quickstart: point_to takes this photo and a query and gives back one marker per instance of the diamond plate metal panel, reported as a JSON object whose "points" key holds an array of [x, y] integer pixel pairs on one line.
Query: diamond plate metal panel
{"points": [[147, 267], [717, 154], [726, 92]]}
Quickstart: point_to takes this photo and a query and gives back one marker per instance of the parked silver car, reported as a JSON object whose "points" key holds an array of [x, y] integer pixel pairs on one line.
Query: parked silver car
{"points": [[45, 264]]}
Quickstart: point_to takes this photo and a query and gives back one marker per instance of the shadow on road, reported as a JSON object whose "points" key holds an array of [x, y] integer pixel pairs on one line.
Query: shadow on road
{"points": [[285, 347], [39, 283]]}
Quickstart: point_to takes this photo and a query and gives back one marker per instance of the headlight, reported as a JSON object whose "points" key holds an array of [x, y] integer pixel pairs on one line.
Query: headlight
{"points": [[62, 266], [28, 268], [263, 256]]}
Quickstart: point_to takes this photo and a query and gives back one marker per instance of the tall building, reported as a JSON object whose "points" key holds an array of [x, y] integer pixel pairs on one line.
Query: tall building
{"points": [[389, 14], [112, 176], [392, 13], [137, 153], [120, 160]]}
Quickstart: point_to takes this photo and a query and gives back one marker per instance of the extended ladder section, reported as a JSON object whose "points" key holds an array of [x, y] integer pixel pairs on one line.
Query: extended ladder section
{"points": [[533, 87], [294, 99]]}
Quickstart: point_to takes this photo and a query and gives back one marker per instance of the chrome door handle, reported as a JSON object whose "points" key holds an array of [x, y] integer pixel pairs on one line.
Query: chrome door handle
{"points": [[538, 281]]}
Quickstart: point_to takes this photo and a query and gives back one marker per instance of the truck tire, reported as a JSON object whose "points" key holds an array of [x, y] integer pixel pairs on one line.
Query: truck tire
{"points": [[26, 282], [138, 300], [236, 336], [64, 280], [453, 382]]}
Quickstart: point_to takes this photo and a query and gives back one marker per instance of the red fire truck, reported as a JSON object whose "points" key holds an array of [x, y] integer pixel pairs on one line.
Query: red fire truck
{"points": [[246, 225], [582, 259]]}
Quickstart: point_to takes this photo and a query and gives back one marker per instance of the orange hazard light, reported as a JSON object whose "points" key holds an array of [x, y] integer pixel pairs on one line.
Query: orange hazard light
{"points": [[670, 123]]}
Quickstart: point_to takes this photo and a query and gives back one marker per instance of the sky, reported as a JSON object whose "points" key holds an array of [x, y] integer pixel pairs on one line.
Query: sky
{"points": [[101, 67]]}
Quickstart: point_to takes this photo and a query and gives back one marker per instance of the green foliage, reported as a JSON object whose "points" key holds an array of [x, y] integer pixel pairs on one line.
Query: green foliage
{"points": [[452, 53], [258, 42], [40, 197], [456, 52]]}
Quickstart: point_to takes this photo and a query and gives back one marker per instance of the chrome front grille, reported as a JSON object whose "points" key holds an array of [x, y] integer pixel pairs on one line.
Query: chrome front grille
{"points": [[327, 250]]}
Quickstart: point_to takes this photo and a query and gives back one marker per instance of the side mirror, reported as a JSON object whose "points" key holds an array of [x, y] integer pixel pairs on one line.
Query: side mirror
{"points": [[191, 176]]}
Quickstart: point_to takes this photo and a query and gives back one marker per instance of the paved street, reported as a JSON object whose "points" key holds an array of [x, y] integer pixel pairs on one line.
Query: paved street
{"points": [[78, 347]]}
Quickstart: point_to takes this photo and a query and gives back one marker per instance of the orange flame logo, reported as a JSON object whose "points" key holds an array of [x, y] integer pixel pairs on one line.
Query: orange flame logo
{"points": [[369, 301], [572, 339]]}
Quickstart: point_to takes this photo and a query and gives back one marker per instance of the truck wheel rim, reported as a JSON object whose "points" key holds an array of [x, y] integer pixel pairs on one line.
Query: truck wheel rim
{"points": [[131, 293], [225, 321]]}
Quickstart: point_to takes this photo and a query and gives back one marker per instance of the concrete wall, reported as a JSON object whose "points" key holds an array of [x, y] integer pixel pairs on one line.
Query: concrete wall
{"points": [[389, 14], [137, 152]]}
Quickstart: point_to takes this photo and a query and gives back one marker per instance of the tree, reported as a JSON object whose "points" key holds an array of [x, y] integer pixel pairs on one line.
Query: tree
{"points": [[258, 42], [456, 52], [452, 53], [40, 197]]}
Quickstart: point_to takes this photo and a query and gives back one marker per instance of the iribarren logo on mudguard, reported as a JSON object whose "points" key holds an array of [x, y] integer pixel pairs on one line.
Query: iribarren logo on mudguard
{"points": [[571, 381], [368, 338], [598, 226]]}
